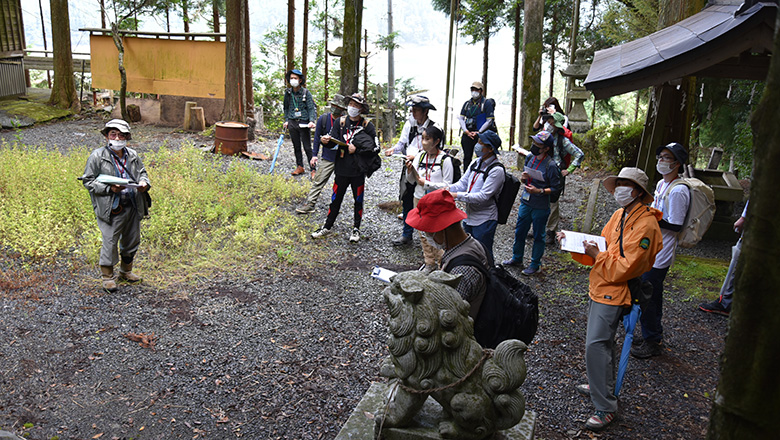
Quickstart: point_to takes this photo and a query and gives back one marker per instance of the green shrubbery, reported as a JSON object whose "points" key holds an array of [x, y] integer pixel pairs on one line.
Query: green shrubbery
{"points": [[208, 215], [611, 148]]}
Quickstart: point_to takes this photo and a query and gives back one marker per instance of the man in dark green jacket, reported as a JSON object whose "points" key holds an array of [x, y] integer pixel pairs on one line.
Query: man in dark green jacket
{"points": [[299, 114]]}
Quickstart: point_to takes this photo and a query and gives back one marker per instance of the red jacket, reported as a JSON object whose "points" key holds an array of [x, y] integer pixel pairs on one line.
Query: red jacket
{"points": [[641, 242]]}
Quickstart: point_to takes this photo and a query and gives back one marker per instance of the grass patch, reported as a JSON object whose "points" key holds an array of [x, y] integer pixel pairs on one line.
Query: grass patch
{"points": [[699, 278], [209, 215]]}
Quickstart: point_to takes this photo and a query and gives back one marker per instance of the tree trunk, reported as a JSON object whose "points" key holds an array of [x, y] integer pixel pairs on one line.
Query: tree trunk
{"points": [[575, 28], [168, 16], [365, 66], [454, 4], [326, 79], [747, 400], [102, 14], [249, 94], [554, 31], [215, 17], [290, 35], [350, 60], [485, 56], [390, 75], [120, 47], [234, 60], [43, 34], [532, 68], [515, 73], [63, 92], [305, 50], [185, 16]]}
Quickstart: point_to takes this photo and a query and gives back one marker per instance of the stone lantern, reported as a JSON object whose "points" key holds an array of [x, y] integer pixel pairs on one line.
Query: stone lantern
{"points": [[577, 95]]}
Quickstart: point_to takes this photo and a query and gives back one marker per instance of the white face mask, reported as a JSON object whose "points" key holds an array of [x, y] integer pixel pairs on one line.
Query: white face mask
{"points": [[353, 111], [475, 94], [294, 82], [117, 144], [623, 195], [432, 242], [664, 167]]}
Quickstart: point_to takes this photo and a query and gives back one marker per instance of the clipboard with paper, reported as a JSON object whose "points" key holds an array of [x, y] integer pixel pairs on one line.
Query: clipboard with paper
{"points": [[113, 180], [572, 242]]}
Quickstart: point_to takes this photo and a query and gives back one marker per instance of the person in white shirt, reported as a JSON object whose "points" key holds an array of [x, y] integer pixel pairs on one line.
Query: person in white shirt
{"points": [[431, 169], [673, 198], [409, 144]]}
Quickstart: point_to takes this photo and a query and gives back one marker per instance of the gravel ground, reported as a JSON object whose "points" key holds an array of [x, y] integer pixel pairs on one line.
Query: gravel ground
{"points": [[287, 352]]}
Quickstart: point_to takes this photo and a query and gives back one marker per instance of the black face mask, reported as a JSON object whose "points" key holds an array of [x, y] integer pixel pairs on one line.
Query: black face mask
{"points": [[535, 150]]}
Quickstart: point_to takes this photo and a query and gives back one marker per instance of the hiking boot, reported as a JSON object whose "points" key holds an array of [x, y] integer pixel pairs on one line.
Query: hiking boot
{"points": [[715, 307], [126, 273], [108, 278], [355, 237], [528, 271], [305, 209], [550, 238], [402, 240], [512, 263], [583, 389], [600, 420], [321, 232], [647, 350], [298, 171]]}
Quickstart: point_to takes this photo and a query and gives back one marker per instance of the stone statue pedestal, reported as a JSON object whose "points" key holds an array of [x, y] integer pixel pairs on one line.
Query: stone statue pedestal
{"points": [[360, 424]]}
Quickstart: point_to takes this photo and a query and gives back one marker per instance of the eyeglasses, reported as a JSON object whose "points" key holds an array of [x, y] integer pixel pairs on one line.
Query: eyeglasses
{"points": [[116, 135], [666, 158]]}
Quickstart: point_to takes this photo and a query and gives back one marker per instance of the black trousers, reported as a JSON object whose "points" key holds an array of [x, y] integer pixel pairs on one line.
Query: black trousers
{"points": [[340, 185], [468, 149], [300, 136]]}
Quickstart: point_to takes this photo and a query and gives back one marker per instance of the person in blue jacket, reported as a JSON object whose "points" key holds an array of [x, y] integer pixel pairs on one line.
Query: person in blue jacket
{"points": [[324, 169], [535, 202], [299, 114]]}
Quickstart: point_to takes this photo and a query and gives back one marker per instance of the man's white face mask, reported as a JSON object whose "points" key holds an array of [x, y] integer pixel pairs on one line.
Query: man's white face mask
{"points": [[475, 94], [294, 82], [432, 242], [117, 144], [353, 111]]}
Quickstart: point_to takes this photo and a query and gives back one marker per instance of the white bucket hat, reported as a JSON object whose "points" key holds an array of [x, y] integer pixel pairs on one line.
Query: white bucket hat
{"points": [[118, 124], [635, 175]]}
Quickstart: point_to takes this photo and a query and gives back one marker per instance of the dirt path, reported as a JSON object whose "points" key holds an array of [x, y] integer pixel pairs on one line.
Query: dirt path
{"points": [[285, 352]]}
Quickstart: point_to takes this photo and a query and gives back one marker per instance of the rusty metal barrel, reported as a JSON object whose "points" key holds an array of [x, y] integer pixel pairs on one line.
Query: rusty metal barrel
{"points": [[230, 137]]}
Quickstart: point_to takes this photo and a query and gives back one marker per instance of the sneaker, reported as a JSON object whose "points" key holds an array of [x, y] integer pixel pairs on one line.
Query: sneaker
{"points": [[600, 420], [298, 171], [583, 389], [647, 350], [512, 263], [305, 209], [355, 237], [528, 271], [321, 232], [715, 307], [400, 216], [402, 240]]}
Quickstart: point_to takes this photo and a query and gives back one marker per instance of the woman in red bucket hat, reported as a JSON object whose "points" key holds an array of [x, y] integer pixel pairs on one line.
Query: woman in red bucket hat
{"points": [[440, 221]]}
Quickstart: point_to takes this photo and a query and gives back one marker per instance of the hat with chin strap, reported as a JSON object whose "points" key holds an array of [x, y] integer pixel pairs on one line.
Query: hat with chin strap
{"points": [[117, 124]]}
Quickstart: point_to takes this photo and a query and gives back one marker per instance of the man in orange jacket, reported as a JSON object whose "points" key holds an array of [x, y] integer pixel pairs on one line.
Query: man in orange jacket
{"points": [[633, 239]]}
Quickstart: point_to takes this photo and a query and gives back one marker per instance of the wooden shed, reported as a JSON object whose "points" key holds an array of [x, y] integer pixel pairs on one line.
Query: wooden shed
{"points": [[12, 78]]}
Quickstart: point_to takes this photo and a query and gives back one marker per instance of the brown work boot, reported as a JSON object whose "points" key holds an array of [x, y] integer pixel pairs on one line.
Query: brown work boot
{"points": [[109, 281], [298, 171], [126, 273]]}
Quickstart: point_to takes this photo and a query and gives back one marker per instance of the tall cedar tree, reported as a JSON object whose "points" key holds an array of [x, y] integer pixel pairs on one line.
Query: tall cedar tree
{"points": [[63, 92]]}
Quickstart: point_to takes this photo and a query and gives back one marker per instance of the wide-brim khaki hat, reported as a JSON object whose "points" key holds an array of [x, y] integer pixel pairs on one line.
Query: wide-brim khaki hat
{"points": [[635, 175]]}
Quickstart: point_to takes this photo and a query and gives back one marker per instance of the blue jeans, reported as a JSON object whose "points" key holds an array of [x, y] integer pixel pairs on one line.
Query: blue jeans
{"points": [[651, 316], [727, 291], [484, 233], [525, 217]]}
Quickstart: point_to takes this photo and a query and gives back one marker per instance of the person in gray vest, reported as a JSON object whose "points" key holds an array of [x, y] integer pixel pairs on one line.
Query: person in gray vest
{"points": [[118, 208], [409, 144]]}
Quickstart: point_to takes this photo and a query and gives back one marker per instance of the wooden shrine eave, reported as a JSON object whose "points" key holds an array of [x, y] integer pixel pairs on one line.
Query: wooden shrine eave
{"points": [[715, 42]]}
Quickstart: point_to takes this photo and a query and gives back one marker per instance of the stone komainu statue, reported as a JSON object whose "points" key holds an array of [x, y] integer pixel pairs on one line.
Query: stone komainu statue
{"points": [[433, 352]]}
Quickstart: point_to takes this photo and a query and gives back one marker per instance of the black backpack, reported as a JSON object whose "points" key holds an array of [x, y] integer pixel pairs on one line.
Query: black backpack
{"points": [[506, 197], [509, 310]]}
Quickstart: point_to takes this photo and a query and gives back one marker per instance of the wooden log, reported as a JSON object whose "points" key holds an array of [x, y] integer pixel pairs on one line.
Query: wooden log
{"points": [[197, 119], [188, 114]]}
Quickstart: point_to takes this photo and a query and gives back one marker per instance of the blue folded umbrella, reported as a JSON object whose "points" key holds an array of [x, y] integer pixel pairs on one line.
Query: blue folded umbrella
{"points": [[278, 146], [629, 323]]}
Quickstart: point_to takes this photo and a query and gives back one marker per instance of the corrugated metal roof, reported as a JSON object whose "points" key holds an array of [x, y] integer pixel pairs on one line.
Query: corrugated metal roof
{"points": [[691, 46]]}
